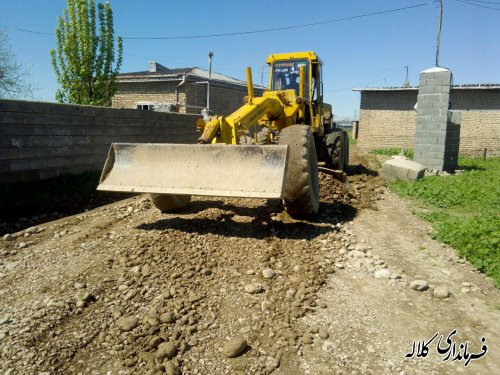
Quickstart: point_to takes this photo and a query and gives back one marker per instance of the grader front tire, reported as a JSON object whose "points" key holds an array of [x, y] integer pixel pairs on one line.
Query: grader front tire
{"points": [[301, 190], [169, 202]]}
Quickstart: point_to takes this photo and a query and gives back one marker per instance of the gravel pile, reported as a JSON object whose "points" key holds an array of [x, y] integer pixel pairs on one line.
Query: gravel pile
{"points": [[219, 288]]}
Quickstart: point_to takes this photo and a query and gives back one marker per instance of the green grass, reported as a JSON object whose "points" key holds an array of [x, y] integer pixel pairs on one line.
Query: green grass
{"points": [[392, 151], [352, 141], [464, 211]]}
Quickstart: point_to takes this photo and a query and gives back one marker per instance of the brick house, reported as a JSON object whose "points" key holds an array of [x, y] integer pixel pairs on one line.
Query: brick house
{"points": [[388, 118], [179, 90]]}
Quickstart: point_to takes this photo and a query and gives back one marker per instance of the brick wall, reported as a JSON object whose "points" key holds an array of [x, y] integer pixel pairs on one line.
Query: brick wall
{"points": [[196, 96], [388, 120], [386, 129], [43, 140], [475, 99], [224, 99], [472, 141], [130, 93]]}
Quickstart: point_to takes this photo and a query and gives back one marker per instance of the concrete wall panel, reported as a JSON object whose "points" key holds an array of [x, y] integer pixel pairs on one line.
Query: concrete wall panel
{"points": [[42, 140]]}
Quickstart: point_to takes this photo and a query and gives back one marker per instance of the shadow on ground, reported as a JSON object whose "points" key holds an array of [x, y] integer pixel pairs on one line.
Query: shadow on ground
{"points": [[360, 169], [261, 222], [26, 204], [467, 168]]}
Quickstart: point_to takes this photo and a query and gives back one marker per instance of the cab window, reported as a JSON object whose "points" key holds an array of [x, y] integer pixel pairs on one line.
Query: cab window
{"points": [[286, 75]]}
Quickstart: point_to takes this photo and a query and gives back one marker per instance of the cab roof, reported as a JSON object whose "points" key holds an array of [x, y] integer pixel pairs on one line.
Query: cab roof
{"points": [[309, 55]]}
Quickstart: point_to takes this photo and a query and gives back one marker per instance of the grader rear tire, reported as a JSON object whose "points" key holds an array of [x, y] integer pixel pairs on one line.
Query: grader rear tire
{"points": [[337, 146], [301, 189], [170, 202], [345, 151]]}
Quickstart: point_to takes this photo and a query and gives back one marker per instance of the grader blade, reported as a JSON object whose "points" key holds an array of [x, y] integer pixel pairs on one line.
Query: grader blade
{"points": [[210, 170]]}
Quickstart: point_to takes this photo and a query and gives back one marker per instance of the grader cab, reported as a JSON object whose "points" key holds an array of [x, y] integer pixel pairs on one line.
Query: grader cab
{"points": [[268, 148]]}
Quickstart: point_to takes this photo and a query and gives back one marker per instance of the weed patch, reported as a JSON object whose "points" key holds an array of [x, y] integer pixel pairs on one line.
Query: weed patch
{"points": [[352, 141], [393, 151], [464, 210]]}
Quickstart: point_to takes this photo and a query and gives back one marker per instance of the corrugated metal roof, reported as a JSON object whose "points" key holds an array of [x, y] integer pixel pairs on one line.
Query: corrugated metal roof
{"points": [[147, 73], [472, 86]]}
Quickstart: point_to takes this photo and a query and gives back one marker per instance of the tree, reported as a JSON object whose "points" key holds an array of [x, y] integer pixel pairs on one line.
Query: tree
{"points": [[83, 61], [13, 78]]}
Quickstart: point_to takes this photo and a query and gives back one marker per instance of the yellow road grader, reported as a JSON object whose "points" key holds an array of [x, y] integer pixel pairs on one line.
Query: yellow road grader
{"points": [[268, 148]]}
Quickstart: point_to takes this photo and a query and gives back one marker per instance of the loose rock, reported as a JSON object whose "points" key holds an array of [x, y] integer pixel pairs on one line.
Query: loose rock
{"points": [[419, 285], [357, 254], [268, 273], [441, 292], [307, 338], [323, 333], [329, 270], [383, 273], [235, 347], [271, 363], [166, 350], [83, 296], [171, 369], [396, 276], [155, 342], [127, 323], [167, 317], [254, 288]]}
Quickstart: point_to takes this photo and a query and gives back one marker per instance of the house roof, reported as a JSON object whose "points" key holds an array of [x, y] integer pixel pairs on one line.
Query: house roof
{"points": [[147, 73], [470, 86], [162, 73]]}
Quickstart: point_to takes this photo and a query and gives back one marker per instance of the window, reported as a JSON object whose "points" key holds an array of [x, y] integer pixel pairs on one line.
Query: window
{"points": [[286, 75], [146, 107]]}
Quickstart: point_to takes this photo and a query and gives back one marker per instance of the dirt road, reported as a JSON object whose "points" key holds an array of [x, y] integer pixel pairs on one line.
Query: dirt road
{"points": [[237, 287]]}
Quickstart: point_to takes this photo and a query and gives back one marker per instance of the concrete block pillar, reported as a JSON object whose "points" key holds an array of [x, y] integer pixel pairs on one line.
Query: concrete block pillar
{"points": [[436, 143]]}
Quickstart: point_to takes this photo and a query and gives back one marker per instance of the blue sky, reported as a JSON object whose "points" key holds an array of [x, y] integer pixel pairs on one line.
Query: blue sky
{"points": [[370, 51]]}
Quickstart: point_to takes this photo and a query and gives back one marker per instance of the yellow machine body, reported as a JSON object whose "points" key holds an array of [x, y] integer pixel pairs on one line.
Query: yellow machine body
{"points": [[229, 171], [275, 109]]}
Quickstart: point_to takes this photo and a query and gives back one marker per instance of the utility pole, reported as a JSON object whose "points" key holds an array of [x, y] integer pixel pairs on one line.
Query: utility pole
{"points": [[210, 55], [439, 31]]}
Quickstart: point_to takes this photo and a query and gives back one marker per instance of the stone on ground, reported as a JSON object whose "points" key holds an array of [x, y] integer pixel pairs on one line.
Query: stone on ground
{"points": [[235, 347], [402, 169], [382, 273], [166, 350], [441, 292], [419, 285], [127, 323]]}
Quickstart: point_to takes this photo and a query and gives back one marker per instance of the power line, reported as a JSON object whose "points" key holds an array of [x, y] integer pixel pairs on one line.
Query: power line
{"points": [[485, 2], [27, 31], [477, 5], [251, 31], [280, 28]]}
